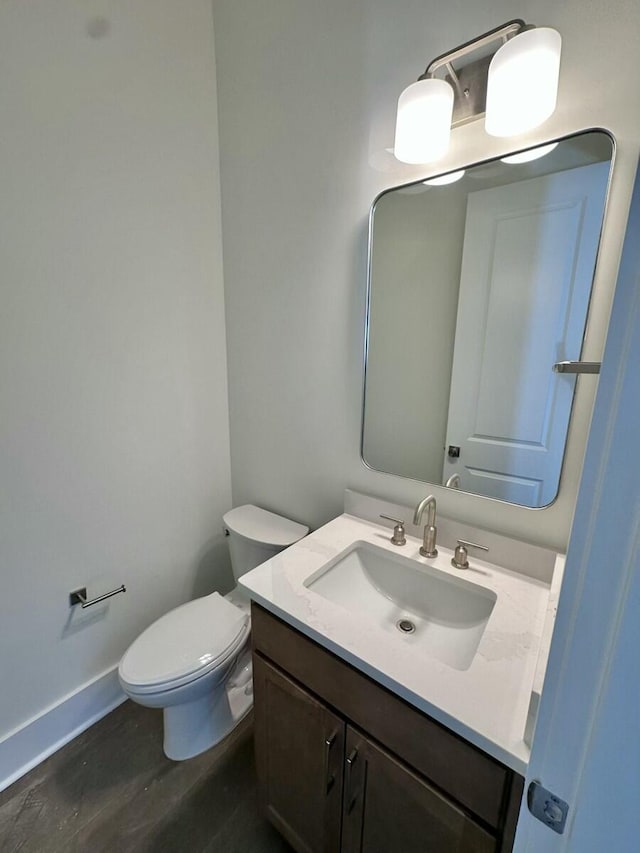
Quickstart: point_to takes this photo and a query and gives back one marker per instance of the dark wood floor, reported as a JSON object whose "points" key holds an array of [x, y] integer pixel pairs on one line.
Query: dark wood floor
{"points": [[112, 790]]}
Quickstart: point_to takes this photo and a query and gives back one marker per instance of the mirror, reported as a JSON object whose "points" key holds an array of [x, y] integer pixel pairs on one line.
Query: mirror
{"points": [[476, 290]]}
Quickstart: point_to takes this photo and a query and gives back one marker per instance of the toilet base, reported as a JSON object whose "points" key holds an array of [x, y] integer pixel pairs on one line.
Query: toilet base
{"points": [[191, 728]]}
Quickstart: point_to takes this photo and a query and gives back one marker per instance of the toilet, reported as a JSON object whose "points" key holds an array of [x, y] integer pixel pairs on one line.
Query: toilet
{"points": [[195, 661]]}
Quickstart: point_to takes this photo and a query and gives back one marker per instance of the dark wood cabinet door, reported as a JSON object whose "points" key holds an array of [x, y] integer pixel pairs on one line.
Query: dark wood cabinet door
{"points": [[299, 757], [388, 808]]}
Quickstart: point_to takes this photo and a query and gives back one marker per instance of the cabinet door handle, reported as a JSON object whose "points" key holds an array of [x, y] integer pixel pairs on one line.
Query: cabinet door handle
{"points": [[351, 797], [329, 778]]}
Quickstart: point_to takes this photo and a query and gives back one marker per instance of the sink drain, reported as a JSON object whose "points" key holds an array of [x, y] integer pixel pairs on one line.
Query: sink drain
{"points": [[406, 626]]}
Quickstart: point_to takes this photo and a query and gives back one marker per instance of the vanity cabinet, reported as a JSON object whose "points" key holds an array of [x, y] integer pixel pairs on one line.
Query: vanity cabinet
{"points": [[299, 748], [346, 765], [388, 808]]}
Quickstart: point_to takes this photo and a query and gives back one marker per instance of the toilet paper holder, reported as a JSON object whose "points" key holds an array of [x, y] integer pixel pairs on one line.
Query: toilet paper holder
{"points": [[79, 596]]}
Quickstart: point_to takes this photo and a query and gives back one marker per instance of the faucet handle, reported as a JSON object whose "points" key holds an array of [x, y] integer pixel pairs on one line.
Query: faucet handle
{"points": [[398, 537], [459, 559], [472, 545]]}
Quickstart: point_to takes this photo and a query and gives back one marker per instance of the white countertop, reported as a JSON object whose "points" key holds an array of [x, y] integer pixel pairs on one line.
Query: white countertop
{"points": [[487, 704]]}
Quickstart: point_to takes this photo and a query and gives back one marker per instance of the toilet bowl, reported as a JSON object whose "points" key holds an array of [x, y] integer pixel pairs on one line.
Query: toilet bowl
{"points": [[195, 661]]}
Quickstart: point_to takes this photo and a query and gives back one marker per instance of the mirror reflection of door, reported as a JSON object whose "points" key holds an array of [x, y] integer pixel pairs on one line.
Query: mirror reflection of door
{"points": [[527, 267], [484, 284]]}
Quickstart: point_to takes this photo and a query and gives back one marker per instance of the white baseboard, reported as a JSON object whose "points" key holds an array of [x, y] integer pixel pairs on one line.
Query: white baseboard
{"points": [[41, 736]]}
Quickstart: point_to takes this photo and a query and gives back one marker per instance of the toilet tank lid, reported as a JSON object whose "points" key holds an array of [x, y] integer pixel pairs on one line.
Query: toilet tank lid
{"points": [[262, 526]]}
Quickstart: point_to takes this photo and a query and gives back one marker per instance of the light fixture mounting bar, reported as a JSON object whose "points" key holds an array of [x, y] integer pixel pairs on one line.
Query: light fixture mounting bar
{"points": [[469, 79]]}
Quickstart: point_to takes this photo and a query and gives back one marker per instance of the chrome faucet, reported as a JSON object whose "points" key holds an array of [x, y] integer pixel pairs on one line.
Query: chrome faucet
{"points": [[428, 547]]}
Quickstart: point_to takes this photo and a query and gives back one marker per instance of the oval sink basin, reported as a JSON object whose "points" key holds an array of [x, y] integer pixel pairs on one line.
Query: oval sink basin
{"points": [[444, 615]]}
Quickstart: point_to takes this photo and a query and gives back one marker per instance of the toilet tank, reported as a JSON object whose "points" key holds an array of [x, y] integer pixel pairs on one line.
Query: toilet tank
{"points": [[255, 535]]}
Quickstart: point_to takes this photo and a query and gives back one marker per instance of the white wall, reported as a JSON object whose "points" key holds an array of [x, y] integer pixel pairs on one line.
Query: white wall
{"points": [[114, 449], [307, 95]]}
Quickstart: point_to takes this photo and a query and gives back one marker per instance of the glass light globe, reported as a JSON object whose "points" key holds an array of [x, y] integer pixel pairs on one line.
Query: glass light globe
{"points": [[530, 154], [522, 87], [444, 180], [423, 124]]}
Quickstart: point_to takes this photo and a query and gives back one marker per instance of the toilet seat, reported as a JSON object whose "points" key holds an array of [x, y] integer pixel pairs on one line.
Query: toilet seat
{"points": [[183, 645]]}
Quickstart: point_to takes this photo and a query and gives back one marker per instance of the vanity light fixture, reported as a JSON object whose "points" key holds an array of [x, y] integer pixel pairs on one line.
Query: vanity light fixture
{"points": [[443, 180], [522, 86], [530, 155], [423, 125], [510, 74]]}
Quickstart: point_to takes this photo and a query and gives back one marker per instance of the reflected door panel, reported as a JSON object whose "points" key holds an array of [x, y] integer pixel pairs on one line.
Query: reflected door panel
{"points": [[527, 267]]}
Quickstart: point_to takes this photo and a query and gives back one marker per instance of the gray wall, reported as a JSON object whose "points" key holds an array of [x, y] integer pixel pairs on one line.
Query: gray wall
{"points": [[307, 95], [114, 453], [415, 281]]}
